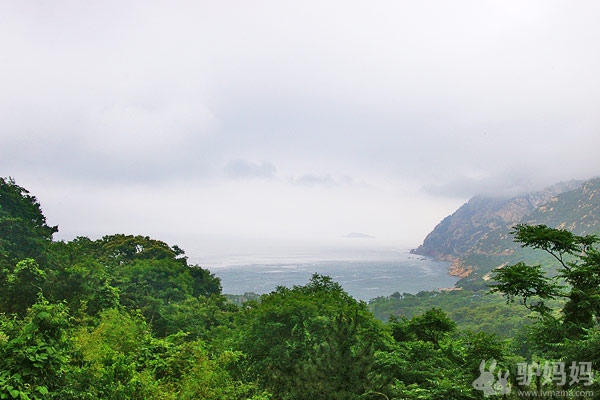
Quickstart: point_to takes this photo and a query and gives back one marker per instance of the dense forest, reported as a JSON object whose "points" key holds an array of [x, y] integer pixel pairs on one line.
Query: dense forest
{"points": [[127, 317]]}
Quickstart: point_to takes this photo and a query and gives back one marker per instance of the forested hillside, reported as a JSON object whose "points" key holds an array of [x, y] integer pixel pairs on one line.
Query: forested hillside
{"points": [[127, 317], [476, 238]]}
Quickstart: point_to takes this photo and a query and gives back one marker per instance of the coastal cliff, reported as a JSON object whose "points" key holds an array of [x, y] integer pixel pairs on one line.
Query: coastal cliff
{"points": [[476, 238]]}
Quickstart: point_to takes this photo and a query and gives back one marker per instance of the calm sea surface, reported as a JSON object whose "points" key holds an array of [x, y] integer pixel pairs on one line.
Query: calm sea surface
{"points": [[364, 276]]}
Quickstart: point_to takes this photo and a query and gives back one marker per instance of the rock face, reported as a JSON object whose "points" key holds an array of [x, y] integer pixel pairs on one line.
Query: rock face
{"points": [[476, 238]]}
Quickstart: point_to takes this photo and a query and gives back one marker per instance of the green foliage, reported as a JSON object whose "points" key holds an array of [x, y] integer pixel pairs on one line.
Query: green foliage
{"points": [[22, 287], [477, 346], [34, 353], [109, 358], [153, 268], [199, 317], [559, 332], [312, 341], [556, 242], [526, 282], [23, 229], [209, 379], [471, 310], [582, 276], [432, 326], [133, 271], [79, 277], [119, 359], [429, 361]]}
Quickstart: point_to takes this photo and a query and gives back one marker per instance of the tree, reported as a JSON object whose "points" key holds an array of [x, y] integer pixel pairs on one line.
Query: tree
{"points": [[22, 287], [134, 271], [426, 362], [570, 329], [24, 232], [151, 267], [312, 341], [577, 280], [432, 326]]}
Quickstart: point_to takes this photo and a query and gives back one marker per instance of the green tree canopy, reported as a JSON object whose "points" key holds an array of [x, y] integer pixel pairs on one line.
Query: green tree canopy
{"points": [[312, 341], [24, 232], [576, 282]]}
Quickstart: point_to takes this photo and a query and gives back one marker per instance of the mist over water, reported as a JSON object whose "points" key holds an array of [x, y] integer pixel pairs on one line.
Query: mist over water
{"points": [[364, 271]]}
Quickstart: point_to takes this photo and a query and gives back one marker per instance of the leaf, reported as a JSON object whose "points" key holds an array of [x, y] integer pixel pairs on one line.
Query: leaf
{"points": [[43, 315], [42, 389]]}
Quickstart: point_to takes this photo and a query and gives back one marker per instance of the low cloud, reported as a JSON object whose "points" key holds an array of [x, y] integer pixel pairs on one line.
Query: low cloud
{"points": [[314, 180], [321, 180], [267, 117], [508, 184], [359, 235], [240, 169]]}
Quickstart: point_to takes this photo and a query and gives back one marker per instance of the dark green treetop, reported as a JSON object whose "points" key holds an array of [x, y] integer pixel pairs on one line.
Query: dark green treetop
{"points": [[24, 232]]}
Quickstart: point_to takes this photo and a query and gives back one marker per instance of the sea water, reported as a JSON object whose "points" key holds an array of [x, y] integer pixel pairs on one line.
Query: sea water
{"points": [[364, 275]]}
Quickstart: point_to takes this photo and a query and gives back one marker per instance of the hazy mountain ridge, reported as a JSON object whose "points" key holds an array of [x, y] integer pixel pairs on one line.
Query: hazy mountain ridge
{"points": [[476, 237]]}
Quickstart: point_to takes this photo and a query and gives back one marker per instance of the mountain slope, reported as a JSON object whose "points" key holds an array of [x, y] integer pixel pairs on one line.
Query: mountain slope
{"points": [[476, 238]]}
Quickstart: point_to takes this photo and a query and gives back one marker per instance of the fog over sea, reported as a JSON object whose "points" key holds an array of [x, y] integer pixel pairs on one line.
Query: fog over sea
{"points": [[364, 271]]}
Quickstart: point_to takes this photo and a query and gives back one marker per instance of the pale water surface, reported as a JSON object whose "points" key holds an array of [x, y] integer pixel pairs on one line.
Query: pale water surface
{"points": [[364, 273]]}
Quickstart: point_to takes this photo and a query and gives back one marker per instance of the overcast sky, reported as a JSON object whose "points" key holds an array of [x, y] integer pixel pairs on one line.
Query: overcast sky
{"points": [[219, 123]]}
